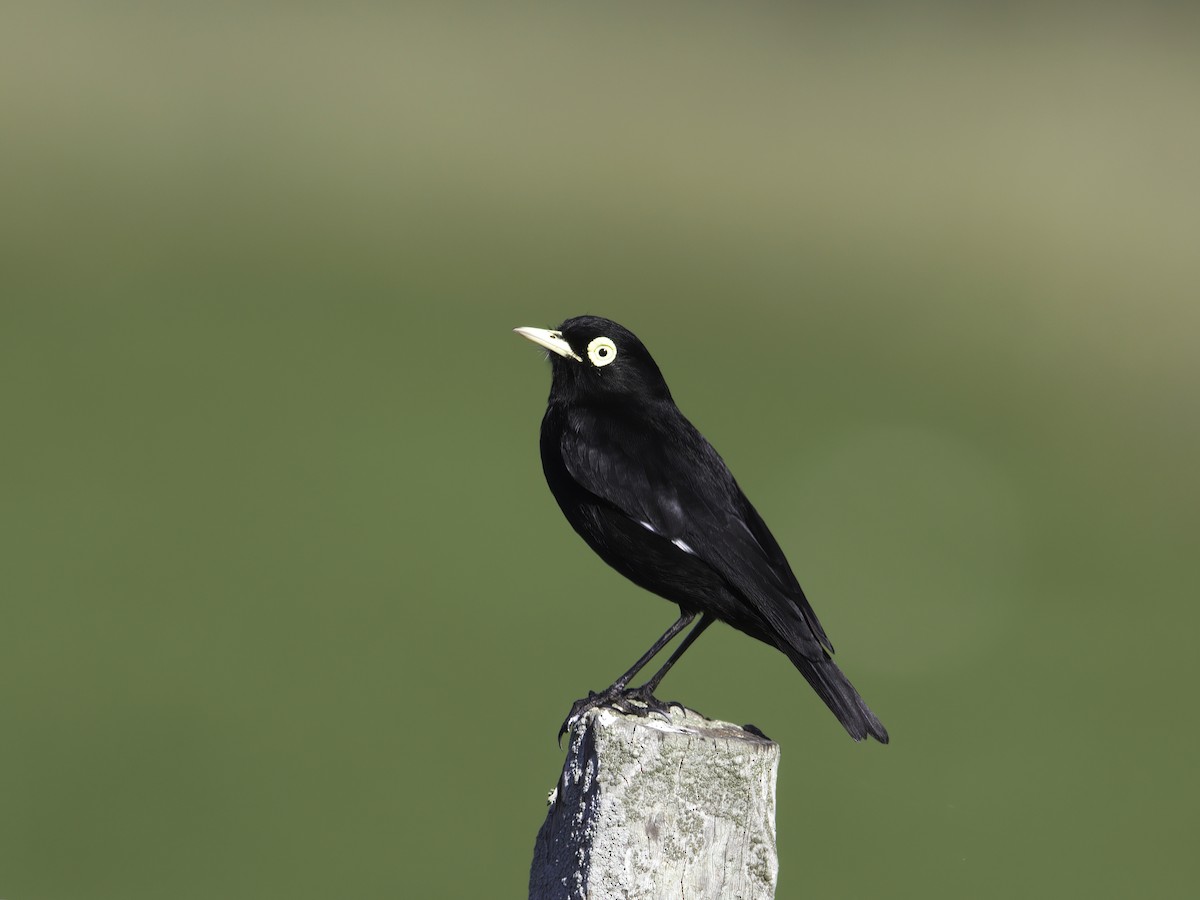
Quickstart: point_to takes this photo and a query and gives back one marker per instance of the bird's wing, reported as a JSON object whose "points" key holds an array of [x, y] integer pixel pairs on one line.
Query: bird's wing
{"points": [[770, 547], [671, 481]]}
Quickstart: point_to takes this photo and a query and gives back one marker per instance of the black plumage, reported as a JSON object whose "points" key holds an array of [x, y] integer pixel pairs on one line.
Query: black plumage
{"points": [[652, 497]]}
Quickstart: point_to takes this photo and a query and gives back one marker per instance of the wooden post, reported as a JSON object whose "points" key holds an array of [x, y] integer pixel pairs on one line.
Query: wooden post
{"points": [[650, 809]]}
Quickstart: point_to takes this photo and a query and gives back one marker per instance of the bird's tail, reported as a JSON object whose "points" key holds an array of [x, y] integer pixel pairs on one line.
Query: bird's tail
{"points": [[840, 696]]}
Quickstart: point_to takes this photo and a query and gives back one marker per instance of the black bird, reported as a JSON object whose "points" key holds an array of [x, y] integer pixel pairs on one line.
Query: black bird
{"points": [[651, 496]]}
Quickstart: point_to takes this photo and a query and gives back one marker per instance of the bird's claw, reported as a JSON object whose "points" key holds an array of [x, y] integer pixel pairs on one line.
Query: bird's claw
{"points": [[641, 702], [630, 701], [583, 705]]}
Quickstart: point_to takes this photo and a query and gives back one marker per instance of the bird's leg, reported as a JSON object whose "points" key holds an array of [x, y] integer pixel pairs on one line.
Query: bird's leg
{"points": [[645, 693], [615, 691]]}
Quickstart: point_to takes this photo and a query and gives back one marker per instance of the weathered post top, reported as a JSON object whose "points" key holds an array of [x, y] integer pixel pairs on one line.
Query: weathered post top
{"points": [[648, 809]]}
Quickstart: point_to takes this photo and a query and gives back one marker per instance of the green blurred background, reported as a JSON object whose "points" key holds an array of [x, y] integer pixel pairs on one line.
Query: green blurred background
{"points": [[288, 609]]}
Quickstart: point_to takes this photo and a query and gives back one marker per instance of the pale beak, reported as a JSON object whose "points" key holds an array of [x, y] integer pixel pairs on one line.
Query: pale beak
{"points": [[551, 340]]}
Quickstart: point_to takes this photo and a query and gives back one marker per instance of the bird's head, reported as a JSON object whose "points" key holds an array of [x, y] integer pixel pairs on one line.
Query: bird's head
{"points": [[595, 357]]}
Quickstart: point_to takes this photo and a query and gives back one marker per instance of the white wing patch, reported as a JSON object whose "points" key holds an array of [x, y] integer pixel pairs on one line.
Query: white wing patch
{"points": [[678, 542]]}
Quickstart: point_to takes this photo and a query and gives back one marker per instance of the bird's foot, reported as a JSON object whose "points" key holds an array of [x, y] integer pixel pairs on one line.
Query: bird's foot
{"points": [[639, 701], [584, 705]]}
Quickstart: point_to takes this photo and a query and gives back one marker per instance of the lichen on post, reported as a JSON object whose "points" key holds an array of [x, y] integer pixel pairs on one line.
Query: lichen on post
{"points": [[647, 808]]}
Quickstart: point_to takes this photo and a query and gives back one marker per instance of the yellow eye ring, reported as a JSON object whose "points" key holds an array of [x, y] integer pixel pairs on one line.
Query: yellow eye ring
{"points": [[601, 351]]}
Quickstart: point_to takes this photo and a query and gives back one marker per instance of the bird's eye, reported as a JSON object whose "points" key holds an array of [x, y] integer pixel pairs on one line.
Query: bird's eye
{"points": [[602, 351]]}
